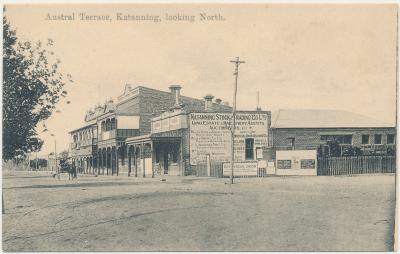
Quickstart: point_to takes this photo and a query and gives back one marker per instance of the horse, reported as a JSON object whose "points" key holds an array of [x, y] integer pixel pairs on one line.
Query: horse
{"points": [[66, 167], [72, 172]]}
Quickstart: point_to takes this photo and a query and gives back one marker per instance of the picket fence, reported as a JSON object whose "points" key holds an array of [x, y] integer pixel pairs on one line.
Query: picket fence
{"points": [[356, 165]]}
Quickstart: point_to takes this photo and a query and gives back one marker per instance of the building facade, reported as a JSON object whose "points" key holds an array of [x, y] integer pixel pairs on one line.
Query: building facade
{"points": [[148, 132], [100, 145], [183, 141], [332, 133]]}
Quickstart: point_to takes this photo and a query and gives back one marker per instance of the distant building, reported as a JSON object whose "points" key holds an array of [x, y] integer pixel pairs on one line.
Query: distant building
{"points": [[51, 162], [326, 129]]}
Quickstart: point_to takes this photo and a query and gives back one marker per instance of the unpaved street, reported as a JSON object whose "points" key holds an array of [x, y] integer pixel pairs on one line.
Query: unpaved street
{"points": [[188, 213]]}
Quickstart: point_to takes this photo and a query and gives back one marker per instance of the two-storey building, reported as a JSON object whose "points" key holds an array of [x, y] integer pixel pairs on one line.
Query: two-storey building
{"points": [[130, 116], [83, 145]]}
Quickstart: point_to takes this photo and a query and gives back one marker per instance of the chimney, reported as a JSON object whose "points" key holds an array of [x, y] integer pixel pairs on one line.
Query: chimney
{"points": [[208, 102], [258, 101], [218, 101], [175, 91]]}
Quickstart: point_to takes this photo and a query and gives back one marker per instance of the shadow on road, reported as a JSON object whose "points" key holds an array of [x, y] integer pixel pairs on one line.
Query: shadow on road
{"points": [[74, 185], [16, 176]]}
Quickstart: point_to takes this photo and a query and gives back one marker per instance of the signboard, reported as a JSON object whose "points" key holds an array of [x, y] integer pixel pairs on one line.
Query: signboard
{"points": [[128, 122], [284, 164], [296, 162], [242, 168], [168, 122], [304, 164], [210, 134]]}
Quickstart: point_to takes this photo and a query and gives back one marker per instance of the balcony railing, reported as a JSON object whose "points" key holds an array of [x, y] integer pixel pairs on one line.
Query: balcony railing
{"points": [[104, 135], [83, 143]]}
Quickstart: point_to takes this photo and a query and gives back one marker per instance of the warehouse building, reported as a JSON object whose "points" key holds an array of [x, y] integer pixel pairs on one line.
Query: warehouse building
{"points": [[332, 133]]}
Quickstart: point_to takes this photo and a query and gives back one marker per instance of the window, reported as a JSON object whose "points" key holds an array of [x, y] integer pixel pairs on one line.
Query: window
{"points": [[291, 142], [390, 139], [249, 148], [365, 139], [346, 139], [378, 139], [341, 139], [113, 124]]}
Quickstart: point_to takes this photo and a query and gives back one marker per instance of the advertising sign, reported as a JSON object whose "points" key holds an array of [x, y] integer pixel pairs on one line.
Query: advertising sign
{"points": [[296, 162], [242, 168], [210, 134]]}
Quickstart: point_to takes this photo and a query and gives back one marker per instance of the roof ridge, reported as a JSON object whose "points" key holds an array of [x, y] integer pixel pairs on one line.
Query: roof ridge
{"points": [[326, 118]]}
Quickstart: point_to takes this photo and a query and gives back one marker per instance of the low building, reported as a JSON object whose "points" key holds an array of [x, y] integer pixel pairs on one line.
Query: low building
{"points": [[332, 133]]}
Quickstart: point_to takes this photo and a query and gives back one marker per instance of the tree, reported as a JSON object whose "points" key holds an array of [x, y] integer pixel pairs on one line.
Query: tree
{"points": [[40, 163], [32, 86]]}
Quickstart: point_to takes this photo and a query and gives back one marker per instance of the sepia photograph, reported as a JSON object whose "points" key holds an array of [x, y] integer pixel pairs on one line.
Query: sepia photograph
{"points": [[199, 127]]}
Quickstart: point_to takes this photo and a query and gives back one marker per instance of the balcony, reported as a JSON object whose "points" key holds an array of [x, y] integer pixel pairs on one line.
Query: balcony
{"points": [[104, 135], [83, 143]]}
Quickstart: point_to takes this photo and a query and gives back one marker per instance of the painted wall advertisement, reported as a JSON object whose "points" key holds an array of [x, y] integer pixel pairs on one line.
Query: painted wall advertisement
{"points": [[210, 134]]}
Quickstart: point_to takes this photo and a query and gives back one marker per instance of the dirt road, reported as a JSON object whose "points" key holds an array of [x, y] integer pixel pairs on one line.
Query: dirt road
{"points": [[198, 214]]}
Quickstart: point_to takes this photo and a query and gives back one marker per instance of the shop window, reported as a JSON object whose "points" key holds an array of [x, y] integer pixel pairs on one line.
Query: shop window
{"points": [[365, 139], [249, 148], [390, 139], [378, 139]]}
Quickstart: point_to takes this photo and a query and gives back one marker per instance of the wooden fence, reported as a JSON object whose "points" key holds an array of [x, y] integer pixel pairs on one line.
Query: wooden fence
{"points": [[215, 170], [356, 165]]}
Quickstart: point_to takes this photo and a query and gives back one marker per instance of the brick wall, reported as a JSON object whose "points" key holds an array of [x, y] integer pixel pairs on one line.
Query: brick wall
{"points": [[130, 107], [152, 102], [186, 152], [310, 138]]}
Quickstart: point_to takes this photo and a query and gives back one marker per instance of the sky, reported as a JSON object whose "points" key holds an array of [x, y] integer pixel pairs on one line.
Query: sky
{"points": [[303, 56]]}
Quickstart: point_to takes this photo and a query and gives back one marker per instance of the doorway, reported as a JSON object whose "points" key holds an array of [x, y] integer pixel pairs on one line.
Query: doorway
{"points": [[166, 162], [167, 157]]}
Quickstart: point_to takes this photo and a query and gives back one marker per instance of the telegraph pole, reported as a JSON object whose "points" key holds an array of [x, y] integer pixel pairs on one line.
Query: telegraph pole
{"points": [[237, 62], [55, 157], [36, 166]]}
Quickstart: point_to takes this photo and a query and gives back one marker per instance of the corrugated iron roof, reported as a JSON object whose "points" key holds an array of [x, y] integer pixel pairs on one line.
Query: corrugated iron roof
{"points": [[314, 118]]}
